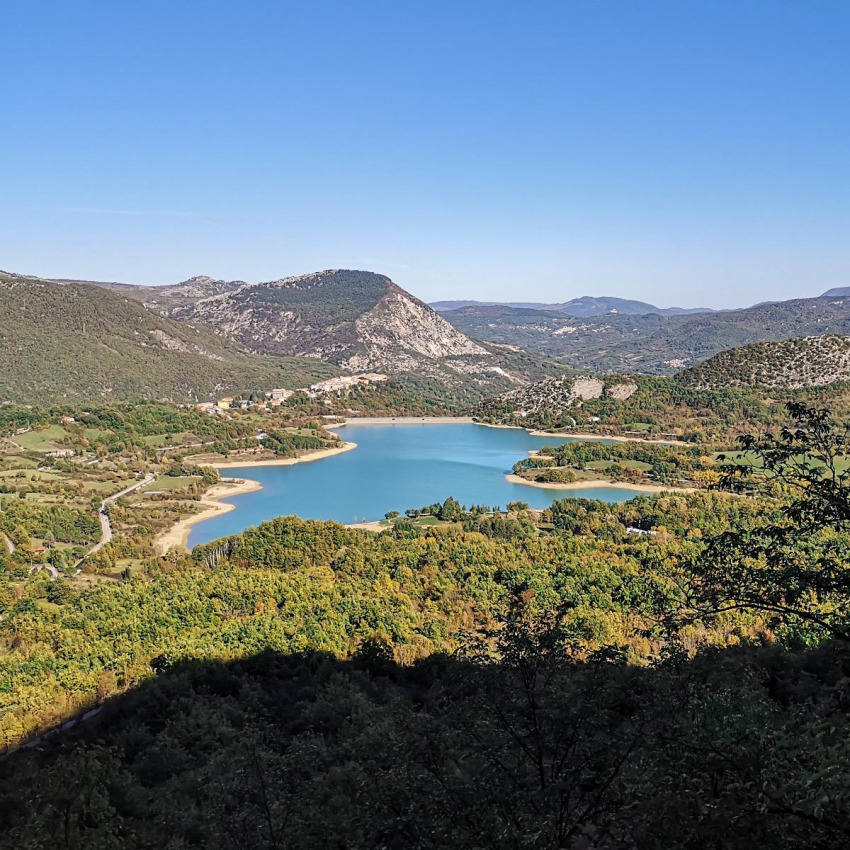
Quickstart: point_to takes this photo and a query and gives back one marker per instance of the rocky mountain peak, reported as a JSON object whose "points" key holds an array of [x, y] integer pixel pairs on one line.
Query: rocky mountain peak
{"points": [[199, 279], [356, 319], [314, 280]]}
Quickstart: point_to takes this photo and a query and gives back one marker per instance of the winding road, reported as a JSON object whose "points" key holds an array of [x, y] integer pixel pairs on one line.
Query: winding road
{"points": [[103, 515], [106, 534]]}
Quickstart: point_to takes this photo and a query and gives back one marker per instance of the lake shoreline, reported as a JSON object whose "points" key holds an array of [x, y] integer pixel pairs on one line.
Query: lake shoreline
{"points": [[286, 461], [469, 420], [178, 534], [598, 484], [616, 438], [403, 420], [394, 469]]}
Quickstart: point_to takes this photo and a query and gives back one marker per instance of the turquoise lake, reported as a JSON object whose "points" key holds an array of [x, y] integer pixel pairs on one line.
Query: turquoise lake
{"points": [[394, 467]]}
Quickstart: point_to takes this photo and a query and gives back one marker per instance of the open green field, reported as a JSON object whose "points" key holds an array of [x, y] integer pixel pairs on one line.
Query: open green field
{"points": [[87, 485], [159, 440], [420, 520], [45, 440], [18, 461], [301, 432], [748, 459], [97, 433], [30, 475], [623, 464], [168, 483], [134, 565]]}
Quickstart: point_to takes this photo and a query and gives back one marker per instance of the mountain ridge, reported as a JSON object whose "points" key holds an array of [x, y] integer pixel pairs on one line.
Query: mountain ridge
{"points": [[652, 344], [581, 307], [356, 320], [813, 361], [350, 320], [69, 340], [349, 317]]}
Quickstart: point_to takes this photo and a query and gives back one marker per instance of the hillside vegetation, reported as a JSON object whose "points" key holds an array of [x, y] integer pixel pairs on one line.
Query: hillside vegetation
{"points": [[167, 299], [59, 464], [85, 342], [653, 406], [790, 364], [651, 344], [358, 320]]}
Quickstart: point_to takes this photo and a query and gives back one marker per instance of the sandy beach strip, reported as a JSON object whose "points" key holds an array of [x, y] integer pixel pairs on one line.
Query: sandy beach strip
{"points": [[615, 438], [586, 485], [285, 461], [178, 534], [403, 420], [376, 525], [612, 437]]}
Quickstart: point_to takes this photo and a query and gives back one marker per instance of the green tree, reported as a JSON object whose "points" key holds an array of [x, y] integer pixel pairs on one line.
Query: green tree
{"points": [[794, 565]]}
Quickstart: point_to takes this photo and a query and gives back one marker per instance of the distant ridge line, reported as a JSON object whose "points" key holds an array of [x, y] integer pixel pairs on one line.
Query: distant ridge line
{"points": [[582, 307]]}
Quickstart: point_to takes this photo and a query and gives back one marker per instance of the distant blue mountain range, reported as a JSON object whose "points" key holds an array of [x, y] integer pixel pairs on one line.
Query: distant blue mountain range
{"points": [[582, 307]]}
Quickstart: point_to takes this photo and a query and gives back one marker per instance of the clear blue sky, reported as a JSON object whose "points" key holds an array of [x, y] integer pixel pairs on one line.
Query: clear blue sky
{"points": [[681, 152]]}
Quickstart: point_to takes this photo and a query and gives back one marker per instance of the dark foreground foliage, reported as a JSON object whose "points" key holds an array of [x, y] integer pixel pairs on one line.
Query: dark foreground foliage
{"points": [[737, 749]]}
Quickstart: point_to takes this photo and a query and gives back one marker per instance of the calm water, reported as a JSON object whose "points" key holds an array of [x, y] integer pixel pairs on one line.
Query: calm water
{"points": [[394, 467]]}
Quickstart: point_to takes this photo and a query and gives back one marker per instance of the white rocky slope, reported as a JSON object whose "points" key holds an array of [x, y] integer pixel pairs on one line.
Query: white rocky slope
{"points": [[559, 394], [360, 321], [400, 329]]}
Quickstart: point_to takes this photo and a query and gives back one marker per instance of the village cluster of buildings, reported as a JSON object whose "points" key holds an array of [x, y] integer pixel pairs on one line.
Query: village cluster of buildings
{"points": [[276, 397], [344, 382]]}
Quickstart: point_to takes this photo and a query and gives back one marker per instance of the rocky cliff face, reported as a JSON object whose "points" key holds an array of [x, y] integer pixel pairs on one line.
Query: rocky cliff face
{"points": [[558, 394], [358, 320], [401, 328]]}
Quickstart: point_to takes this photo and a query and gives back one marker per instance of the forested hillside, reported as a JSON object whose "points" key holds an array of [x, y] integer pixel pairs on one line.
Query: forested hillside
{"points": [[651, 344], [358, 320], [791, 364], [83, 342], [653, 406]]}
